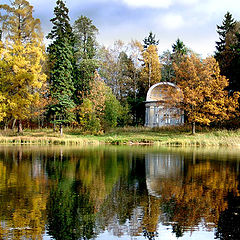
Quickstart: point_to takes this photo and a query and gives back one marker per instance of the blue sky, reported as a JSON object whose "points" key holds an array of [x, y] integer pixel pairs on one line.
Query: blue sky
{"points": [[193, 21]]}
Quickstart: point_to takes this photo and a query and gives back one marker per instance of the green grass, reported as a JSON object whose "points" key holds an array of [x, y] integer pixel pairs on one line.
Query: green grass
{"points": [[167, 136]]}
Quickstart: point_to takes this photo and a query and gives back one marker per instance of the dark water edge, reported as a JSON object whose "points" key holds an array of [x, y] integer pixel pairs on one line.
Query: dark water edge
{"points": [[123, 192]]}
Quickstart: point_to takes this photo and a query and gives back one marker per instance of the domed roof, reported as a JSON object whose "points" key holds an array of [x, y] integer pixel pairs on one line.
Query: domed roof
{"points": [[159, 91]]}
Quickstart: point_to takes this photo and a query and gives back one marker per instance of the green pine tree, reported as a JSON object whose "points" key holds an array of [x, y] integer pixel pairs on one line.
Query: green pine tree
{"points": [[61, 63], [234, 82], [226, 51], [228, 24], [179, 48], [150, 40], [85, 34], [85, 53]]}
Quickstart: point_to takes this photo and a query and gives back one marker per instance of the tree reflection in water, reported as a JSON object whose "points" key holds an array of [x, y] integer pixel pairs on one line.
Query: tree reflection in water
{"points": [[23, 195], [192, 193], [81, 193], [228, 227]]}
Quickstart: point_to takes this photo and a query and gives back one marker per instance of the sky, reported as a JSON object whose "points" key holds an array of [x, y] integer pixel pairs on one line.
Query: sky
{"points": [[193, 21]]}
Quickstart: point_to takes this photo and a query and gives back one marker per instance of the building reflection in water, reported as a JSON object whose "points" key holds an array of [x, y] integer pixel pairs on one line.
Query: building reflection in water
{"points": [[162, 166]]}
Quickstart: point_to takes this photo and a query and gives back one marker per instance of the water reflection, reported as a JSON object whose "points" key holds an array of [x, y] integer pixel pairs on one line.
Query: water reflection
{"points": [[23, 195], [191, 192], [140, 193]]}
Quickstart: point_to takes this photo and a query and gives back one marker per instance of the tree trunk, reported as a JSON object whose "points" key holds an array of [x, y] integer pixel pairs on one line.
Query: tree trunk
{"points": [[193, 128], [20, 130], [54, 124], [150, 73], [61, 129], [39, 122], [14, 122]]}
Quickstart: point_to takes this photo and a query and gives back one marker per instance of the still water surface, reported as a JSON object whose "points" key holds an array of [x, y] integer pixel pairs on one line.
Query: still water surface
{"points": [[119, 193]]}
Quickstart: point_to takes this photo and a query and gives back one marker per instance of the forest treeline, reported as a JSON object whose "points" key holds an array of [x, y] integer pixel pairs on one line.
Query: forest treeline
{"points": [[76, 82]]}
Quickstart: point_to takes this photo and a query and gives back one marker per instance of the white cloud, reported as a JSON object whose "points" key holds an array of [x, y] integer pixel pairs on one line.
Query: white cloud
{"points": [[216, 6], [187, 2], [171, 21], [158, 3], [149, 3]]}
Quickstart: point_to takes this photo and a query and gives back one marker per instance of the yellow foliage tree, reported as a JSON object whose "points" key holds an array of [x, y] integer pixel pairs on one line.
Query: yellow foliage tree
{"points": [[2, 107], [2, 98], [205, 99], [151, 72], [23, 57]]}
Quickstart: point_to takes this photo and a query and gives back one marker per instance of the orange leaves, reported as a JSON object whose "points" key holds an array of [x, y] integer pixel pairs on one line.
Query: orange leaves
{"points": [[205, 97]]}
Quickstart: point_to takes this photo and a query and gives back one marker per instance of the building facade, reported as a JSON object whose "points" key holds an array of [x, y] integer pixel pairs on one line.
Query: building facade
{"points": [[161, 109]]}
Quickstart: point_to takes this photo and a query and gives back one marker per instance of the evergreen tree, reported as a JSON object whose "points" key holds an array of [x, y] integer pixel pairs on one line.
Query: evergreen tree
{"points": [[61, 63], [150, 40], [226, 51], [228, 25], [85, 51], [234, 81], [179, 49], [85, 34], [179, 52]]}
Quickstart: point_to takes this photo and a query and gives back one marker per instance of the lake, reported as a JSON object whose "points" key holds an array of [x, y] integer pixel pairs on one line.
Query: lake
{"points": [[121, 192]]}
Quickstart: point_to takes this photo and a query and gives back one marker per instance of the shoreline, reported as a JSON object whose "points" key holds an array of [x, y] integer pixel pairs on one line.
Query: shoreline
{"points": [[127, 137]]}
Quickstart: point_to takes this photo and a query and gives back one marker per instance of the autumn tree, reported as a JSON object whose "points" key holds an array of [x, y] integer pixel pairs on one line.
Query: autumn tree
{"points": [[22, 59], [205, 99], [151, 71], [3, 20], [2, 98], [111, 68], [61, 65], [2, 107], [100, 109], [167, 66], [135, 97]]}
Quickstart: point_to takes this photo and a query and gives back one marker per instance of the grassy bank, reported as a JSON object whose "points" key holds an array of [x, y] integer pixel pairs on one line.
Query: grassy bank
{"points": [[174, 136]]}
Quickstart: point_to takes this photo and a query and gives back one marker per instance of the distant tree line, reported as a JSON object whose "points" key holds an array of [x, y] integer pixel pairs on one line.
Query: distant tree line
{"points": [[76, 82]]}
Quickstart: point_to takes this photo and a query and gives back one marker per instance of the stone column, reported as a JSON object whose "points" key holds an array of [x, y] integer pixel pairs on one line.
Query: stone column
{"points": [[151, 116]]}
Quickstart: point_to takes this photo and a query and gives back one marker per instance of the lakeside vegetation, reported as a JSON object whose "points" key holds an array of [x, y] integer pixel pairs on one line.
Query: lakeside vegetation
{"points": [[167, 136]]}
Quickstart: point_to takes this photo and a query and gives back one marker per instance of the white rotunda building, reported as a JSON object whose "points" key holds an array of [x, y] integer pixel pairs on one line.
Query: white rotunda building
{"points": [[161, 108]]}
